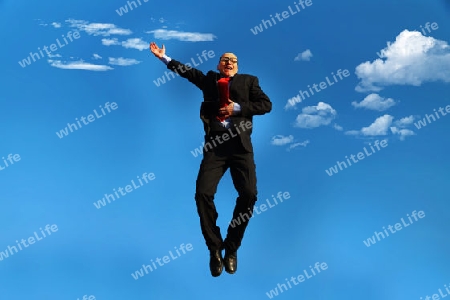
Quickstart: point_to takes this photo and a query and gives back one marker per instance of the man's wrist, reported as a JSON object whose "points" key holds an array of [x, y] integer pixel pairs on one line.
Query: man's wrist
{"points": [[236, 108], [165, 59]]}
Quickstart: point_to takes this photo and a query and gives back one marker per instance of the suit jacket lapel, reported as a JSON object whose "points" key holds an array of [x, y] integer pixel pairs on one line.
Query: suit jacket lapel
{"points": [[234, 85]]}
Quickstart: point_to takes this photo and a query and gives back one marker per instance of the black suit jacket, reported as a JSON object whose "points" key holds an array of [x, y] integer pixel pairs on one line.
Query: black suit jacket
{"points": [[244, 90]]}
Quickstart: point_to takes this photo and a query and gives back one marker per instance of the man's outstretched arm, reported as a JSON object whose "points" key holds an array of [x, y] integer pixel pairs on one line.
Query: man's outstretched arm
{"points": [[193, 75]]}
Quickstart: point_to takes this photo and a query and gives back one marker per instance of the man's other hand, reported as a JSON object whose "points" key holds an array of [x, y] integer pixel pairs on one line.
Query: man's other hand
{"points": [[227, 111], [158, 52]]}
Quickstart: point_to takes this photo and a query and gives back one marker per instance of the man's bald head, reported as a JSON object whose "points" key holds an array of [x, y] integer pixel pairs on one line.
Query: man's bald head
{"points": [[228, 66]]}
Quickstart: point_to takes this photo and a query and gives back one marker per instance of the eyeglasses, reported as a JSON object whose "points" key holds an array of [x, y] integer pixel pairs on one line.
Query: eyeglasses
{"points": [[227, 59]]}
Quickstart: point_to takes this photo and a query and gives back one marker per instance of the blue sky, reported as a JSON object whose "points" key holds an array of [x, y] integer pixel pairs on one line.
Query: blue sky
{"points": [[133, 129]]}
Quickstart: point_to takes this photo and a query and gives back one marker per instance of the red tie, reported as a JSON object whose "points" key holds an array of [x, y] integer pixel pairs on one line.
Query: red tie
{"points": [[223, 94]]}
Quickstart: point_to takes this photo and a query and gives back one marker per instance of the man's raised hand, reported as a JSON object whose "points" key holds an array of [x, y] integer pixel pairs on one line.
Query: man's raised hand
{"points": [[158, 52]]}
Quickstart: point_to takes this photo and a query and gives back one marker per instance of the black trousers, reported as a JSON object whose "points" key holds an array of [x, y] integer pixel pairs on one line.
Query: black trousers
{"points": [[231, 155]]}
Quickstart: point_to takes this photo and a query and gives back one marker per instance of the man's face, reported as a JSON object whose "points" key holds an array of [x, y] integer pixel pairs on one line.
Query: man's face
{"points": [[228, 65]]}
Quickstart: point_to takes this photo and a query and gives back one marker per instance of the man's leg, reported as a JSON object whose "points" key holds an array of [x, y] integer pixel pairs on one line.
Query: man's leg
{"points": [[212, 168], [243, 173], [211, 171]]}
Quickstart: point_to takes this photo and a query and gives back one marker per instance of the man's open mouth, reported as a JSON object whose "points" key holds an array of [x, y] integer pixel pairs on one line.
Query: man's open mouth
{"points": [[229, 68]]}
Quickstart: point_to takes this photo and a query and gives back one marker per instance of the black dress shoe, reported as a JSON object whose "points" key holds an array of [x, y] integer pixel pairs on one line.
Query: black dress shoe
{"points": [[216, 263], [230, 261]]}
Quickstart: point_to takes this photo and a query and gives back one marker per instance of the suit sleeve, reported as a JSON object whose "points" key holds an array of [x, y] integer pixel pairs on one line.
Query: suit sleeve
{"points": [[259, 103], [193, 75]]}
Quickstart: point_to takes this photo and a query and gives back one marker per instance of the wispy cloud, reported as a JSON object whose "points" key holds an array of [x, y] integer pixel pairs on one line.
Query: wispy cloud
{"points": [[78, 65], [402, 133], [134, 43], [123, 61], [160, 20], [295, 145], [337, 127], [183, 36], [53, 55], [305, 55], [400, 127], [56, 25], [96, 29], [96, 56], [280, 140], [375, 102], [110, 42], [404, 122]]}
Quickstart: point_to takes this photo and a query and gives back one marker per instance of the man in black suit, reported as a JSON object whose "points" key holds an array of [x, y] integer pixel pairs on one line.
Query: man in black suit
{"points": [[229, 118]]}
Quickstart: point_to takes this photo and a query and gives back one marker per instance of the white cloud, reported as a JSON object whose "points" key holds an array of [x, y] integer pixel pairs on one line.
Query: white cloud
{"points": [[403, 133], [280, 140], [411, 60], [382, 125], [295, 145], [53, 55], [182, 36], [400, 129], [123, 61], [337, 127], [96, 56], [404, 122], [305, 55], [315, 116], [56, 25], [109, 42], [292, 102], [103, 29], [78, 65], [352, 132], [135, 43], [375, 102], [379, 127], [160, 20]]}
